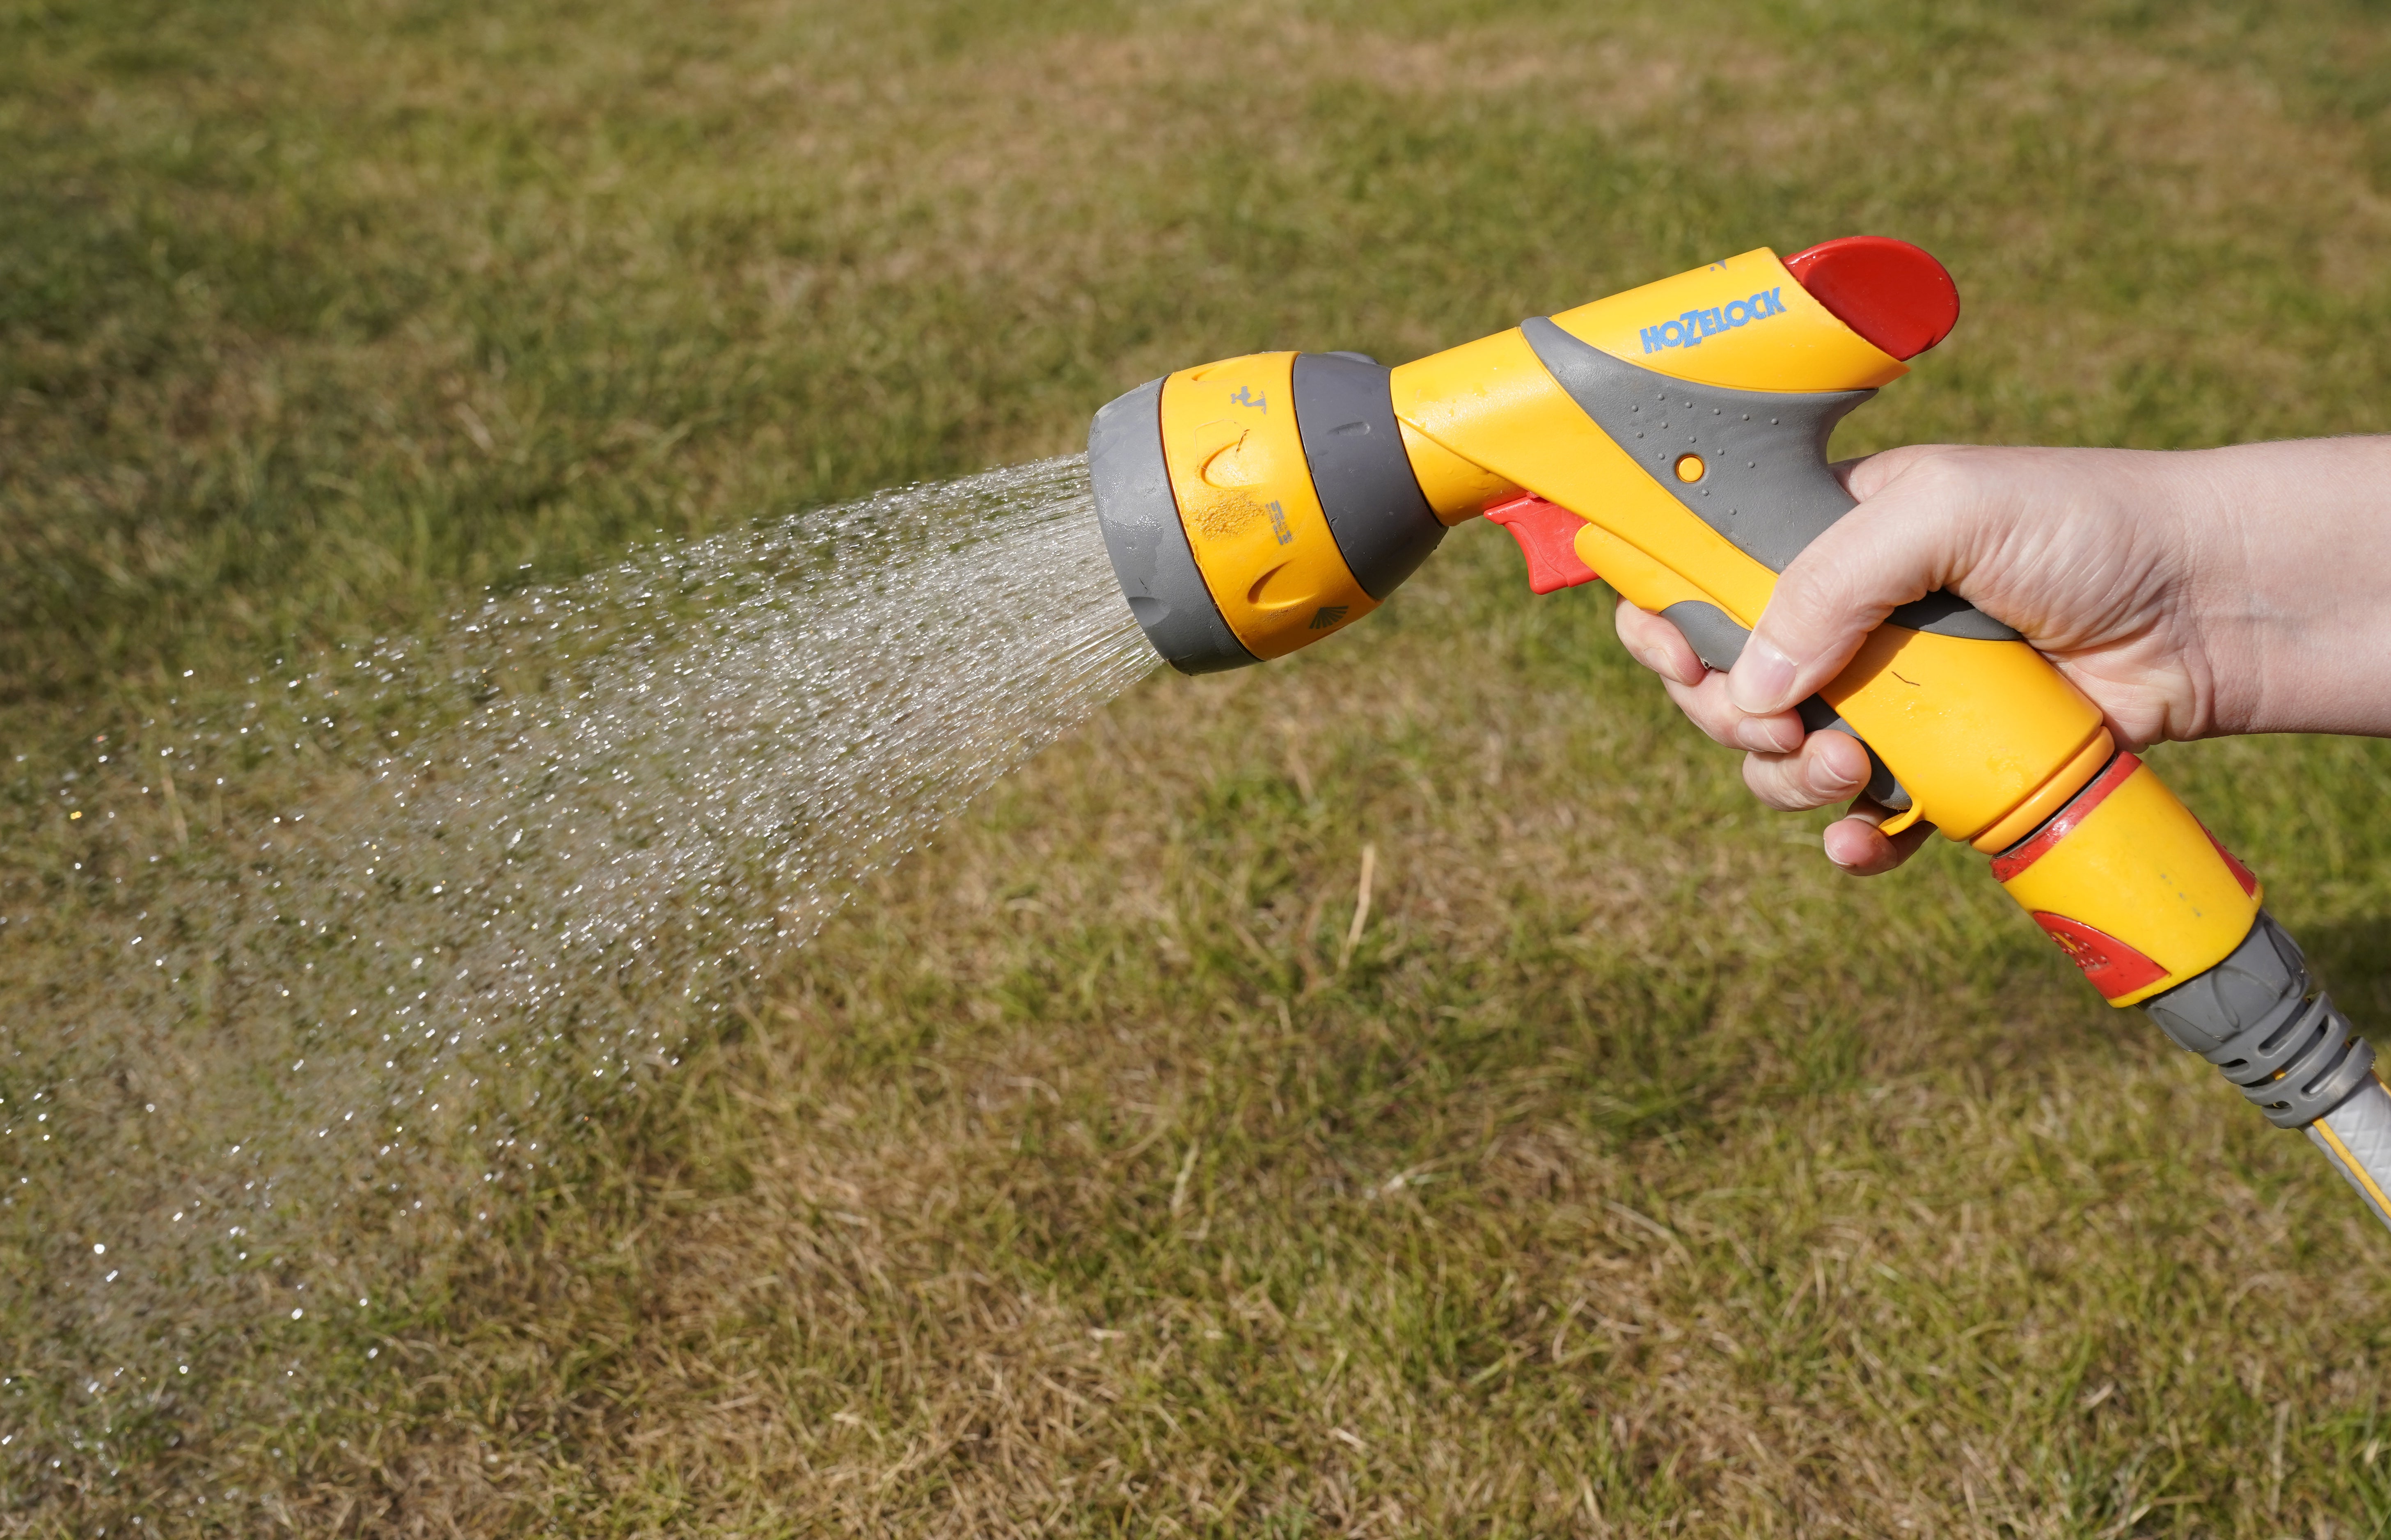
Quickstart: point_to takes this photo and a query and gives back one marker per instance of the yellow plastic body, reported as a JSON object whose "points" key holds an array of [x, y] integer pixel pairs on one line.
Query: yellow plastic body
{"points": [[1974, 730], [1987, 724], [1456, 490], [1804, 348], [2142, 875], [1246, 499], [1989, 739]]}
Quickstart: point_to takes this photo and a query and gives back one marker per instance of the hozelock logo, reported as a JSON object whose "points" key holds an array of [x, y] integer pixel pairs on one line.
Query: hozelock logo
{"points": [[1688, 329]]}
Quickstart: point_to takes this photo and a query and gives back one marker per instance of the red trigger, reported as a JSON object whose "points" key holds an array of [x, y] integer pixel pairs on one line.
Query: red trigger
{"points": [[1547, 536]]}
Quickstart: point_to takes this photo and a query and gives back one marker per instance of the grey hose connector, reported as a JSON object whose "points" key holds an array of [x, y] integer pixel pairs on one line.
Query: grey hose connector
{"points": [[2259, 1017], [2262, 1021]]}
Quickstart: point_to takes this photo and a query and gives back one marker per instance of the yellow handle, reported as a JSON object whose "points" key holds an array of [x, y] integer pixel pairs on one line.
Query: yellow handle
{"points": [[1991, 742]]}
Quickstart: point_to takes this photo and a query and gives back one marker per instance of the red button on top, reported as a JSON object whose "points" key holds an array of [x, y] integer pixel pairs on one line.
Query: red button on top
{"points": [[1888, 291]]}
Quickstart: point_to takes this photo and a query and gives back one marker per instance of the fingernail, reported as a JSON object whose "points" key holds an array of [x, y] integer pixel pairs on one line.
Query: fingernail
{"points": [[1762, 679]]}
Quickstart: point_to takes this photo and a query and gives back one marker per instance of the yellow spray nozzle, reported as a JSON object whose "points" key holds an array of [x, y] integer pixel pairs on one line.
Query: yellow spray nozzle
{"points": [[1257, 504]]}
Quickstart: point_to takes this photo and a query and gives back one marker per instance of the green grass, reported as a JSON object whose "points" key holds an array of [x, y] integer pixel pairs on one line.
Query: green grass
{"points": [[1634, 1174]]}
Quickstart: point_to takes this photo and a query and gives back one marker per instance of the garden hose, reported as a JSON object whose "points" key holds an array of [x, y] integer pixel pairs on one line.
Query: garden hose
{"points": [[1673, 438]]}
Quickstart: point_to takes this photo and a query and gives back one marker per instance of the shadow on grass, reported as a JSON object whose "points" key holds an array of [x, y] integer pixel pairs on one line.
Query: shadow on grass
{"points": [[2351, 959]]}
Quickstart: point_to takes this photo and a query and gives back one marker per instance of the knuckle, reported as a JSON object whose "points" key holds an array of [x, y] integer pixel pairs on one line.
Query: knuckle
{"points": [[1702, 707], [1767, 735], [1835, 769], [1766, 777]]}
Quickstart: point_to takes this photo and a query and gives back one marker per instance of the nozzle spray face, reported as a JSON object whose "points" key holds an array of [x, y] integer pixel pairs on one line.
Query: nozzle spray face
{"points": [[1253, 506], [1150, 552]]}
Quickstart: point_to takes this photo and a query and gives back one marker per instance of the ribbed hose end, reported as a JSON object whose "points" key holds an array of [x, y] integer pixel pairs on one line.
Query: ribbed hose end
{"points": [[2260, 1018]]}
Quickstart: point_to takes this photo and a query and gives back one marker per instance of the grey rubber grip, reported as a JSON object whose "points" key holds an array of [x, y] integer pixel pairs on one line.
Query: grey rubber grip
{"points": [[1765, 486], [1718, 642], [2260, 1018], [1345, 413], [1945, 613], [1146, 542]]}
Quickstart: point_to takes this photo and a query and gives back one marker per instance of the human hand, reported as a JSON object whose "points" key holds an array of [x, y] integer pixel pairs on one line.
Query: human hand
{"points": [[2188, 594]]}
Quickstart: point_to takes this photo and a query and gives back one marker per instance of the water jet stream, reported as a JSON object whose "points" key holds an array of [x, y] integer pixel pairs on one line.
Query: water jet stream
{"points": [[258, 1078]]}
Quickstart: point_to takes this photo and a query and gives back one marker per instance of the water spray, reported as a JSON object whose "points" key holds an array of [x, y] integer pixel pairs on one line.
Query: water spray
{"points": [[1672, 439], [265, 1073]]}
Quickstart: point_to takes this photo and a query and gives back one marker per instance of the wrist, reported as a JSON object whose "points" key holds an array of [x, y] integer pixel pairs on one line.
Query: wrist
{"points": [[2287, 614]]}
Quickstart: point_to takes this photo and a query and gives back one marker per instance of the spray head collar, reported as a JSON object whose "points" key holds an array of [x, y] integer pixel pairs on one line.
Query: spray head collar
{"points": [[1254, 505]]}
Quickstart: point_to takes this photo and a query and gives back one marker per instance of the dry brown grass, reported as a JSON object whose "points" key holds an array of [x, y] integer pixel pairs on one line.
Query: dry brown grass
{"points": [[1630, 1176], [1065, 1185]]}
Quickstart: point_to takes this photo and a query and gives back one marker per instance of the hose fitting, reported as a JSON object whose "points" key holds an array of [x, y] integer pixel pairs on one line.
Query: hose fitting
{"points": [[2262, 1021]]}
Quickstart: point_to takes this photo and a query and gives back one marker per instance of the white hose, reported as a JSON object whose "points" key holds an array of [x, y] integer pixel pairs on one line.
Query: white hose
{"points": [[2356, 1137]]}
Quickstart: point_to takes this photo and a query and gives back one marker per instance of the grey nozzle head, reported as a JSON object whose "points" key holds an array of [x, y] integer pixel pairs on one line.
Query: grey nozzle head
{"points": [[1146, 542]]}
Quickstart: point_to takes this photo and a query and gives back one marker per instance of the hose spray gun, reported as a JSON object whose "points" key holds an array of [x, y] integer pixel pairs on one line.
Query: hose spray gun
{"points": [[1673, 439]]}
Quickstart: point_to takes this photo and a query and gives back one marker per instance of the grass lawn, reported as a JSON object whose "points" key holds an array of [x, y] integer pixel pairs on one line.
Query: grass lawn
{"points": [[1626, 1171]]}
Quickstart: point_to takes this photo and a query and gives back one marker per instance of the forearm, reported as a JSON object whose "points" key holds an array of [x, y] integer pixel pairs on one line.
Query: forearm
{"points": [[2292, 599]]}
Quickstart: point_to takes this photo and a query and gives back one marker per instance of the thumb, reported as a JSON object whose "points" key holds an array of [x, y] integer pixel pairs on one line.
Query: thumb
{"points": [[1899, 544]]}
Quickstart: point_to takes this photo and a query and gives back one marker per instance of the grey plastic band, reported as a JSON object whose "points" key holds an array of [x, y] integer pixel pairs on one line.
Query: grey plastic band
{"points": [[1945, 613], [2259, 1018], [1345, 412], [1765, 484], [1718, 642], [1140, 518]]}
